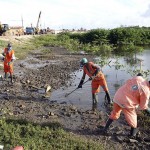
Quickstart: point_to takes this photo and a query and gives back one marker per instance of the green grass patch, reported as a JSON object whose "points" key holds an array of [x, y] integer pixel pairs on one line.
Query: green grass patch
{"points": [[22, 51], [42, 42], [34, 43], [42, 137], [1, 68], [21, 48], [2, 44]]}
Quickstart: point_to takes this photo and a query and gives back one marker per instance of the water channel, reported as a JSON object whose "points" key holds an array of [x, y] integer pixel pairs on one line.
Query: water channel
{"points": [[116, 72]]}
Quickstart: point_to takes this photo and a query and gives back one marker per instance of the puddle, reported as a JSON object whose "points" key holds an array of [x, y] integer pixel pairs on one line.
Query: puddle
{"points": [[81, 97], [115, 78], [41, 91], [35, 63]]}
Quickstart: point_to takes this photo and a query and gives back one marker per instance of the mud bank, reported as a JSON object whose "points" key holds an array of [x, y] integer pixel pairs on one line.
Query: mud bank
{"points": [[26, 99]]}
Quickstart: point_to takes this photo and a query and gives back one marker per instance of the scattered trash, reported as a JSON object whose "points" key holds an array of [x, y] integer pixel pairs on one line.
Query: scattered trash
{"points": [[48, 88], [51, 114], [133, 141]]}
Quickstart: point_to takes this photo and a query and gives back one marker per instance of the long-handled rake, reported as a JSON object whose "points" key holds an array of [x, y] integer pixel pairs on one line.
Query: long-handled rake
{"points": [[67, 94]]}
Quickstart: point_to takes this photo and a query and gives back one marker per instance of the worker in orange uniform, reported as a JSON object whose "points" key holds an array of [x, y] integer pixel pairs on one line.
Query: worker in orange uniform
{"points": [[9, 57], [135, 92], [97, 77]]}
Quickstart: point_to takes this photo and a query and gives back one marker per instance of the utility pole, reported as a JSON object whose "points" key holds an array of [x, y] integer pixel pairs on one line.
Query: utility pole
{"points": [[22, 21]]}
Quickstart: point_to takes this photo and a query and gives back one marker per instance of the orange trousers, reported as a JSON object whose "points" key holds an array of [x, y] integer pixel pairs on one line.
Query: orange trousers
{"points": [[129, 113], [97, 83], [8, 68]]}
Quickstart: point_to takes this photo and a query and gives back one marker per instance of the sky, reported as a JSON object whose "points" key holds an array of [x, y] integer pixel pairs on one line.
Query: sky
{"points": [[75, 14]]}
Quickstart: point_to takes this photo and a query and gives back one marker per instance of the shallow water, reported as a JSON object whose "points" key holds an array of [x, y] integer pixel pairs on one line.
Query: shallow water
{"points": [[115, 78]]}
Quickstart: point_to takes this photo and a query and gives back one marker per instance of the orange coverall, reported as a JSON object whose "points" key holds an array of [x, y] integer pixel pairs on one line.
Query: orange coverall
{"points": [[8, 57], [134, 93], [98, 81]]}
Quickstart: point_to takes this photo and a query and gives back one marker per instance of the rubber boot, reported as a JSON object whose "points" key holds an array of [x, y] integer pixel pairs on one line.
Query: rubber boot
{"points": [[95, 101], [6, 76], [108, 97], [94, 106], [133, 132], [108, 123], [95, 98], [11, 78]]}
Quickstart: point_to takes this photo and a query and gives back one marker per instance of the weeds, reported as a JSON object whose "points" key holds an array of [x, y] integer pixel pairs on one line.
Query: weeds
{"points": [[41, 137]]}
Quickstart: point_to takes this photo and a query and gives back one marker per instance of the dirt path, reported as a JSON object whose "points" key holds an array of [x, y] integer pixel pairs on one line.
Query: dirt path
{"points": [[27, 99]]}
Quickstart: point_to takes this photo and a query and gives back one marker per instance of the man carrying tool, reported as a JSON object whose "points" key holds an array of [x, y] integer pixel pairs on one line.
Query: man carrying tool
{"points": [[135, 92], [9, 57], [97, 77]]}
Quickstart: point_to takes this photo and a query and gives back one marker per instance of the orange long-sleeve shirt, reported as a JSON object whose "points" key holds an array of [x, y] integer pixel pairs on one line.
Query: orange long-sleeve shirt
{"points": [[135, 92]]}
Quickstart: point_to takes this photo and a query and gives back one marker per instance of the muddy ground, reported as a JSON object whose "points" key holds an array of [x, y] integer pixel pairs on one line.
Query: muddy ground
{"points": [[26, 99]]}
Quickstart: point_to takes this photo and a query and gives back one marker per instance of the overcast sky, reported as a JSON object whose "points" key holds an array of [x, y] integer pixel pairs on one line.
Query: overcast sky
{"points": [[69, 14]]}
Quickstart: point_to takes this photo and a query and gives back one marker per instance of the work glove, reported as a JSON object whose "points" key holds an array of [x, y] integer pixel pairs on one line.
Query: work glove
{"points": [[80, 86], [81, 83], [92, 78]]}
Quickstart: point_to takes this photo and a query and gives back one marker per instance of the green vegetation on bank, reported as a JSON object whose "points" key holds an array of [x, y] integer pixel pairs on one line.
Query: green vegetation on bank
{"points": [[101, 41], [118, 36], [129, 40], [42, 137]]}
